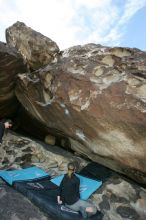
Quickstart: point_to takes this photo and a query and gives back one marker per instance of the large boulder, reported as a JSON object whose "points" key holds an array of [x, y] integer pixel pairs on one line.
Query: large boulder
{"points": [[95, 96], [35, 48], [11, 63]]}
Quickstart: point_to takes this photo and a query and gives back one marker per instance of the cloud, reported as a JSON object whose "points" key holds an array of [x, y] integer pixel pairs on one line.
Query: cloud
{"points": [[109, 20], [101, 19], [50, 17], [72, 22], [131, 7]]}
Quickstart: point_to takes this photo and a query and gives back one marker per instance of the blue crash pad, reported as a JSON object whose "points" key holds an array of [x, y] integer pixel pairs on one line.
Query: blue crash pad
{"points": [[87, 186], [30, 173]]}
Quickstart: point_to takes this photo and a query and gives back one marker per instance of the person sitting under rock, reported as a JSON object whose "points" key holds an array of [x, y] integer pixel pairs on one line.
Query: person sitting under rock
{"points": [[4, 125], [69, 194]]}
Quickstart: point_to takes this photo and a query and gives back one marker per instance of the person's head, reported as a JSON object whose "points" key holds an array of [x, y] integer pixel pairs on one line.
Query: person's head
{"points": [[71, 169], [8, 123]]}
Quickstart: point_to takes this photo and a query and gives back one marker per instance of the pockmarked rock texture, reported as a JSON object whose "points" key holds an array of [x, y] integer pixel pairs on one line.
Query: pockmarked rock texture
{"points": [[19, 152], [95, 96], [35, 48], [11, 63], [117, 198], [120, 199]]}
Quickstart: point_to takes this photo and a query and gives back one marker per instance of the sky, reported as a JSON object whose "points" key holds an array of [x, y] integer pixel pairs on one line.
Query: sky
{"points": [[77, 22]]}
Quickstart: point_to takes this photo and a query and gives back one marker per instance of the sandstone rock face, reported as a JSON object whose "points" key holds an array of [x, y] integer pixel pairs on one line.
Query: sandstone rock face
{"points": [[35, 48], [11, 63], [95, 96], [18, 152], [118, 199]]}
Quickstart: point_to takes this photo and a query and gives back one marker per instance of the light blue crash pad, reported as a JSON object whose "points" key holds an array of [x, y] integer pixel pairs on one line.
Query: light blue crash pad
{"points": [[87, 186], [30, 173]]}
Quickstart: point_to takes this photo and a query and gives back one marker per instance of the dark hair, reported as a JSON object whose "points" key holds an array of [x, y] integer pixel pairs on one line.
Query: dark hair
{"points": [[7, 120], [71, 168]]}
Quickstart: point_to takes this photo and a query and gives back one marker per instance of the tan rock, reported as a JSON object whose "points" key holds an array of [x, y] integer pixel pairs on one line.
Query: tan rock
{"points": [[49, 139], [35, 48]]}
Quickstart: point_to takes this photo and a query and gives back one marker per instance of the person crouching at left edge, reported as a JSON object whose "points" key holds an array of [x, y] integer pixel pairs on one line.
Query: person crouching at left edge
{"points": [[4, 125]]}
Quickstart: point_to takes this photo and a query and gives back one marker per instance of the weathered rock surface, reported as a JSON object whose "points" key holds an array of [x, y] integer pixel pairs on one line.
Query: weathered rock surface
{"points": [[120, 199], [11, 63], [95, 96], [35, 48], [117, 199], [18, 151]]}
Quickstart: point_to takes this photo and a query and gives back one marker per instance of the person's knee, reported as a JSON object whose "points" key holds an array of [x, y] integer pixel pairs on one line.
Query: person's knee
{"points": [[92, 210]]}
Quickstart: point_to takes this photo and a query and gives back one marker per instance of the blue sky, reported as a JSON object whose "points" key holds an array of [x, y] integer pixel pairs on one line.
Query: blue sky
{"points": [[135, 35], [73, 22]]}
